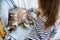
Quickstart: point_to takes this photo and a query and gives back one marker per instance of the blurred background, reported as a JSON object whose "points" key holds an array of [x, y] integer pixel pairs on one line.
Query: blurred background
{"points": [[5, 5]]}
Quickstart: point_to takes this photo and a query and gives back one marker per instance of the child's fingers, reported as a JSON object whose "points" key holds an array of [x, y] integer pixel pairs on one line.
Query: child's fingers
{"points": [[21, 14]]}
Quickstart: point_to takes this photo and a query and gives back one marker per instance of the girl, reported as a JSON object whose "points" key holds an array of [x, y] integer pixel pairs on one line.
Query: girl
{"points": [[45, 25]]}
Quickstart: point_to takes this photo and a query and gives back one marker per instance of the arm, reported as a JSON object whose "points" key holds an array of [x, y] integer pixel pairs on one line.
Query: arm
{"points": [[33, 35]]}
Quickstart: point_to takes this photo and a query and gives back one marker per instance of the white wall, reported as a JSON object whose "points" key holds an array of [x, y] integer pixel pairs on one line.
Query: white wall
{"points": [[26, 3]]}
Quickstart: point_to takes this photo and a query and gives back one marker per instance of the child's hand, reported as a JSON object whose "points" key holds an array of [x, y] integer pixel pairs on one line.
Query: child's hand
{"points": [[21, 14]]}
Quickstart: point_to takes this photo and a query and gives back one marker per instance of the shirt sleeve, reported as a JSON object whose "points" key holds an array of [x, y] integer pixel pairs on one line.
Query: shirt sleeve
{"points": [[33, 35], [53, 32], [57, 35]]}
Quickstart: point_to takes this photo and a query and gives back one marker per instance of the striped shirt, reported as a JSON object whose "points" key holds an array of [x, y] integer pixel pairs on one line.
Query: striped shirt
{"points": [[37, 32]]}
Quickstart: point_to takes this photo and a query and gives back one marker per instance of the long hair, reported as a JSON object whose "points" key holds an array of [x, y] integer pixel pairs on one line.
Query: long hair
{"points": [[50, 10]]}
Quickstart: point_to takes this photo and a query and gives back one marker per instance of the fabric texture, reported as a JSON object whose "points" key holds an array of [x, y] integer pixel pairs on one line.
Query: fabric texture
{"points": [[38, 34]]}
